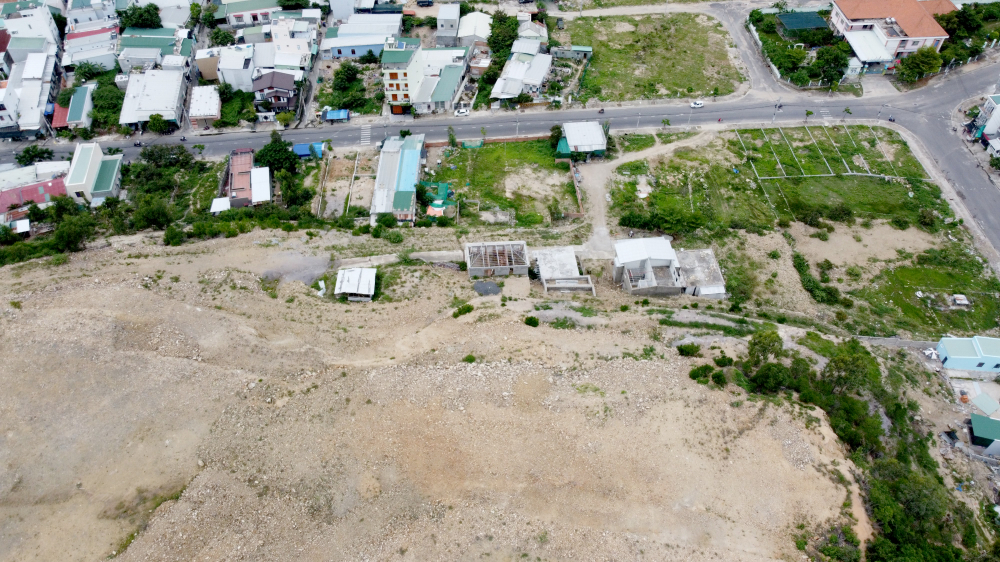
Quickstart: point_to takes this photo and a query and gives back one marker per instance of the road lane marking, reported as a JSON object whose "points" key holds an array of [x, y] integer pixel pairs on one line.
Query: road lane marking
{"points": [[366, 135]]}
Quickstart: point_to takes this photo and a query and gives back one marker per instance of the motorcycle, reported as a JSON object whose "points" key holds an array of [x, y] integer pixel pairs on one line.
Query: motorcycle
{"points": [[183, 139], [601, 110], [137, 144]]}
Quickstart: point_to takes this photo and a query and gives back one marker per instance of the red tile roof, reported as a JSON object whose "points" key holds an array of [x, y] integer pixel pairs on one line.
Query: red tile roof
{"points": [[4, 40], [911, 15], [80, 34], [59, 117], [35, 192]]}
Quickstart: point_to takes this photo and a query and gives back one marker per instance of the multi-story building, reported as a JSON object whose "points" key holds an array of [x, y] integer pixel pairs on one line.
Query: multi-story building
{"points": [[883, 31], [427, 80]]}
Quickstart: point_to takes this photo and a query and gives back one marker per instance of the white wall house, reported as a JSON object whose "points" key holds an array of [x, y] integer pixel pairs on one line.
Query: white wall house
{"points": [[880, 30], [236, 66]]}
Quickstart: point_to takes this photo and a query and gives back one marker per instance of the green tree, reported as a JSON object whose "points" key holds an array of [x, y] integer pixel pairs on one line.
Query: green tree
{"points": [[995, 162], [32, 154], [852, 368], [146, 17], [404, 133], [173, 236], [85, 71], [278, 156], [452, 140], [195, 16], [226, 91], [665, 122], [285, 118], [208, 15], [923, 61], [345, 76], [72, 233], [555, 135], [221, 37], [368, 58], [65, 96], [808, 113], [847, 111], [151, 212], [763, 346], [293, 4], [157, 124]]}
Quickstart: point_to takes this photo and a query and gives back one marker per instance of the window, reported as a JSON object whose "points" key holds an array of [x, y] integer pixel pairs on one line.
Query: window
{"points": [[406, 86], [980, 365], [404, 75], [339, 52], [914, 43], [393, 76], [997, 366], [395, 97], [79, 195], [352, 52], [1, 117], [937, 42], [406, 96], [265, 18], [239, 19]]}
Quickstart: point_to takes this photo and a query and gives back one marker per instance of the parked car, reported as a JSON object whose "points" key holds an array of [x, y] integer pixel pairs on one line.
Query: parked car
{"points": [[461, 112], [425, 3], [697, 104]]}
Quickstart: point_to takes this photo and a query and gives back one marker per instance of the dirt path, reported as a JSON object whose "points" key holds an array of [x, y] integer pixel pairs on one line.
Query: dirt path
{"points": [[595, 178]]}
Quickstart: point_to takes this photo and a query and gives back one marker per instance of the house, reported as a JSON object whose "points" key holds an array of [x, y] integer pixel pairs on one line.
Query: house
{"points": [[474, 27], [32, 30], [349, 46], [4, 42], [397, 67], [96, 46], [993, 148], [985, 432], [77, 115], [207, 61], [176, 62], [276, 92], [388, 25], [93, 176], [81, 12], [237, 187], [141, 57], [206, 106], [575, 52], [523, 74], [168, 41], [260, 186], [294, 44], [486, 259], [236, 66], [447, 25], [356, 283], [426, 80], [479, 59], [533, 30], [39, 172], [559, 270], [582, 136], [343, 9], [883, 31], [154, 92], [397, 176], [650, 266], [26, 94], [970, 354], [248, 13], [40, 193]]}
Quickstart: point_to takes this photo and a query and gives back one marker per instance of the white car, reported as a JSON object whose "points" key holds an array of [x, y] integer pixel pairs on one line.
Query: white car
{"points": [[697, 104], [461, 112]]}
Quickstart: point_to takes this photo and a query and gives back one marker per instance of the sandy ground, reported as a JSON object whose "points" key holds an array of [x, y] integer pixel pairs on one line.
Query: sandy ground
{"points": [[301, 428]]}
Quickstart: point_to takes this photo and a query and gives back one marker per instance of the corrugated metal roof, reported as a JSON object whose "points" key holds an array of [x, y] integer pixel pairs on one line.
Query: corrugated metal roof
{"points": [[220, 204], [450, 78], [959, 347], [989, 346], [986, 428], [403, 200], [164, 44], [260, 185], [585, 136], [394, 56], [247, 6], [986, 403], [187, 46], [355, 281], [144, 32]]}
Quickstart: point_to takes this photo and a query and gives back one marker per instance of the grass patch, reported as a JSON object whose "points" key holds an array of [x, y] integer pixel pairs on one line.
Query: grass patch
{"points": [[634, 143], [676, 55], [563, 323], [819, 344], [667, 138]]}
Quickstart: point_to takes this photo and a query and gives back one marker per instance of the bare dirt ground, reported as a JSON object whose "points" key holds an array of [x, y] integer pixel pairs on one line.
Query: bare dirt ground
{"points": [[144, 382], [537, 184]]}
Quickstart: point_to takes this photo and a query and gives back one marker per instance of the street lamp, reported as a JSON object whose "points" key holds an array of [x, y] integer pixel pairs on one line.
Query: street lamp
{"points": [[776, 106], [637, 120]]}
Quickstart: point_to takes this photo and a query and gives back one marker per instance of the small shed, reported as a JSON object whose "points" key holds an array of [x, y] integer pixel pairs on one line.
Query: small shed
{"points": [[260, 185], [797, 22], [985, 432], [338, 116], [356, 283], [486, 259], [970, 354], [306, 150], [582, 136], [220, 204]]}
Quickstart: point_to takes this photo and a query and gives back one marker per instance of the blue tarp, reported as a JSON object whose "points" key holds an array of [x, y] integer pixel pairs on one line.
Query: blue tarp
{"points": [[302, 150], [338, 115]]}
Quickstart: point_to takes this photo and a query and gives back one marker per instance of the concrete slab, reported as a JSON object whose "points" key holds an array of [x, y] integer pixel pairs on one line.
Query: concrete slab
{"points": [[517, 287]]}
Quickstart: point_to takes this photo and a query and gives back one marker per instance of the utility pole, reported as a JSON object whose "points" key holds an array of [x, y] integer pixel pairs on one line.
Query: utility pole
{"points": [[775, 110], [637, 120]]}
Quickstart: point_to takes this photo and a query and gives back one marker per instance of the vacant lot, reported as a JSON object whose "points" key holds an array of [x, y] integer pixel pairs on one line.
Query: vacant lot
{"points": [[890, 248], [521, 176], [644, 57]]}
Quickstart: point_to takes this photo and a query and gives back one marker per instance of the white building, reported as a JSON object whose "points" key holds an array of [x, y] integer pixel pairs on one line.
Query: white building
{"points": [[260, 186], [356, 283], [372, 24], [428, 79], [131, 57], [533, 30], [447, 25], [25, 95], [474, 27], [523, 74], [154, 92], [989, 118], [96, 46], [236, 66], [81, 12], [882, 31], [294, 44], [650, 266], [585, 136], [206, 106], [93, 176]]}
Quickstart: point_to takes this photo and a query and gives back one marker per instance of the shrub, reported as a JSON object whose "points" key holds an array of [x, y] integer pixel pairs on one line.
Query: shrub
{"points": [[377, 231], [531, 321], [394, 237], [900, 222], [702, 372], [719, 378], [770, 378], [445, 222], [774, 254], [423, 223], [689, 350], [386, 220], [173, 236], [470, 358], [723, 361], [624, 308], [464, 309]]}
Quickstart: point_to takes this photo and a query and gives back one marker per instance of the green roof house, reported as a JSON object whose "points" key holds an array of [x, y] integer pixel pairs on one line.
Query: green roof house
{"points": [[985, 432], [92, 176]]}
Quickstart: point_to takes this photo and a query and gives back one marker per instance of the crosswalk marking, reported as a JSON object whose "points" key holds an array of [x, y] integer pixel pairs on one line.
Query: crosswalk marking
{"points": [[366, 135]]}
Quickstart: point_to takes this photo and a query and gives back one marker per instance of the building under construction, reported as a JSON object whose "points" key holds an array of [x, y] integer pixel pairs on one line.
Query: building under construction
{"points": [[486, 259]]}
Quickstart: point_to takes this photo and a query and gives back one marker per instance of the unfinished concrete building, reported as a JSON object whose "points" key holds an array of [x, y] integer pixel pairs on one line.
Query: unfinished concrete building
{"points": [[559, 270], [650, 266], [486, 259]]}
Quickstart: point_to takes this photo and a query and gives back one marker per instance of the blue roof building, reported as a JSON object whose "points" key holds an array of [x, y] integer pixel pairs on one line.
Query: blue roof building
{"points": [[970, 354], [306, 150]]}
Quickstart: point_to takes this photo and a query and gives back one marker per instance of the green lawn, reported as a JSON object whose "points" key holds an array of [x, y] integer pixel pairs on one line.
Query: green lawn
{"points": [[480, 173], [645, 57], [634, 143]]}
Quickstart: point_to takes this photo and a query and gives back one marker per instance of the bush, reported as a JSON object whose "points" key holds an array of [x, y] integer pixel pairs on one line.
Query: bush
{"points": [[624, 308], [723, 361], [423, 223], [531, 321], [394, 237], [689, 350], [173, 236], [900, 222], [770, 378], [445, 221], [470, 358], [702, 372], [719, 378], [386, 220], [464, 309]]}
